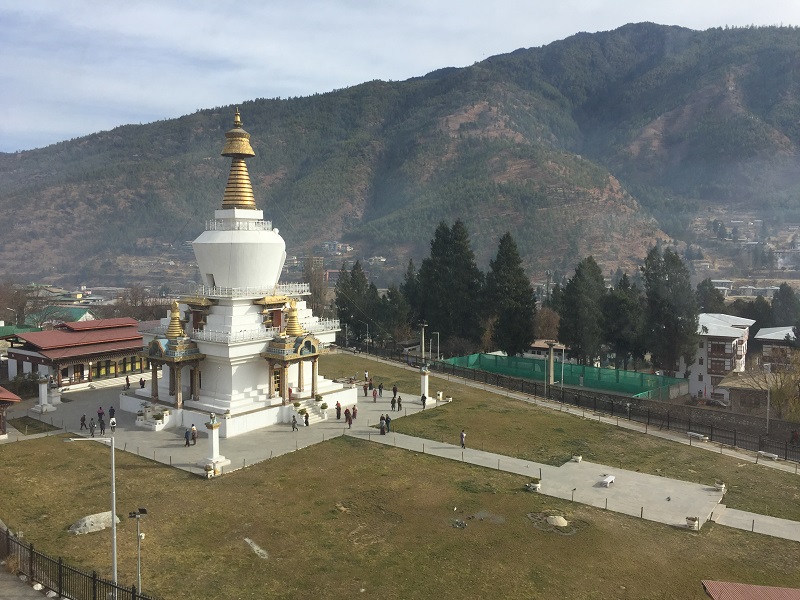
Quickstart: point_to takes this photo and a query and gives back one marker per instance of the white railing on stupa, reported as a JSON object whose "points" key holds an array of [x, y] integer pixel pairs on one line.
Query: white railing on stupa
{"points": [[230, 225], [282, 289], [230, 337], [322, 325]]}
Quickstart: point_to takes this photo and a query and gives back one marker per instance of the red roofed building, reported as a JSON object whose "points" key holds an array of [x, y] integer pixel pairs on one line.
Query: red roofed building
{"points": [[78, 351], [6, 400]]}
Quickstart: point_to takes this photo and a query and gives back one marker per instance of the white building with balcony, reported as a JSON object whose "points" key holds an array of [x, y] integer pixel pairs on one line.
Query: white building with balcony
{"points": [[721, 349]]}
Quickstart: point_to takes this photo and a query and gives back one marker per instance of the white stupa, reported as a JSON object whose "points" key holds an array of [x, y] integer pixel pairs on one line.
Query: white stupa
{"points": [[244, 347]]}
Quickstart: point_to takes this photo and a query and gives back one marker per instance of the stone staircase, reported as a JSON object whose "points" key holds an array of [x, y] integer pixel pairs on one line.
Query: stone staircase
{"points": [[314, 412]]}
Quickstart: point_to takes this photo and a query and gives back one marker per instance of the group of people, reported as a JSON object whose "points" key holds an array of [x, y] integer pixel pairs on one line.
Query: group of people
{"points": [[385, 424], [294, 421], [190, 435], [92, 426]]}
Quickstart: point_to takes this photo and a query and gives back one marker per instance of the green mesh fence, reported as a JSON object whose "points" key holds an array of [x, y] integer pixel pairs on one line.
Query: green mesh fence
{"points": [[630, 383]]}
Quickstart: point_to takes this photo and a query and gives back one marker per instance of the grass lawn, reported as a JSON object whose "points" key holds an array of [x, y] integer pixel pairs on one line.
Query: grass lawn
{"points": [[506, 426], [347, 516], [31, 426]]}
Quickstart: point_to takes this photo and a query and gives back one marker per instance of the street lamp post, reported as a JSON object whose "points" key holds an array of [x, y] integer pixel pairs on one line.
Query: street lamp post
{"points": [[768, 371], [367, 324], [15, 314], [137, 514], [110, 440]]}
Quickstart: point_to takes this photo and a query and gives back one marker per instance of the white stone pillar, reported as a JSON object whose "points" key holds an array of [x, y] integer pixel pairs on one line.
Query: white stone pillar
{"points": [[43, 406], [215, 461], [423, 372]]}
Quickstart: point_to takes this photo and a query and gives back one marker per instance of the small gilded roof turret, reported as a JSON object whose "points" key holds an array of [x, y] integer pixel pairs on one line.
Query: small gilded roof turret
{"points": [[175, 329], [239, 190], [293, 327]]}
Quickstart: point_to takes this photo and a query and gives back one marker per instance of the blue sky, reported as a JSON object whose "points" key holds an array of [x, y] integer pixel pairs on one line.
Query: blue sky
{"points": [[70, 68]]}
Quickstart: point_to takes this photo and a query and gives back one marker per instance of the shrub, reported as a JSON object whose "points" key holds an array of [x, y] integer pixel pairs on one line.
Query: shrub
{"points": [[324, 406], [296, 404]]}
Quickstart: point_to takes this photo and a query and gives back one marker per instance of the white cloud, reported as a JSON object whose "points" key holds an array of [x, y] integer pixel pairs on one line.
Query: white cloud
{"points": [[68, 69]]}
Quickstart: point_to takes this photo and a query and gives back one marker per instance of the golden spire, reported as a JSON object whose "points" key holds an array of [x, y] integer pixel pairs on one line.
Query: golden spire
{"points": [[239, 191], [175, 329], [293, 327]]}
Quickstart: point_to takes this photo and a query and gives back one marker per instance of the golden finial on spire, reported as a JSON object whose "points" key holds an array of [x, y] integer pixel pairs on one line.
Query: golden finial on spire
{"points": [[239, 191], [293, 327], [175, 329]]}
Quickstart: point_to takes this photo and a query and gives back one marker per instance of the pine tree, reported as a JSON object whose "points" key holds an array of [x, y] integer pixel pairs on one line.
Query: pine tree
{"points": [[785, 306], [450, 285], [581, 324], [671, 314], [509, 297], [623, 311], [709, 298]]}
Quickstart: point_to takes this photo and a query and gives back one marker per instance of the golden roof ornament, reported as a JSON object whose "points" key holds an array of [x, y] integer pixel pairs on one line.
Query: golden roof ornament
{"points": [[293, 327], [239, 190], [175, 329]]}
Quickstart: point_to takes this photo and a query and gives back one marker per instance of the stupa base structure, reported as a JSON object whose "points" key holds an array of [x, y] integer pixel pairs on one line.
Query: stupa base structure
{"points": [[244, 347]]}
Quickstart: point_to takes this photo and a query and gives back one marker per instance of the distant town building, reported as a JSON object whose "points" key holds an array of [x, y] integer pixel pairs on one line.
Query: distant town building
{"points": [[775, 341]]}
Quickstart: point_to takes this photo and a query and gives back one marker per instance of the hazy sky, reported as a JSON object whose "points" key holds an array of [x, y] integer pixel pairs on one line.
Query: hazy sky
{"points": [[69, 67]]}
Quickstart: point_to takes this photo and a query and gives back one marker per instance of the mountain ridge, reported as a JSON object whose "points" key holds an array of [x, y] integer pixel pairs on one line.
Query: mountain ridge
{"points": [[595, 144]]}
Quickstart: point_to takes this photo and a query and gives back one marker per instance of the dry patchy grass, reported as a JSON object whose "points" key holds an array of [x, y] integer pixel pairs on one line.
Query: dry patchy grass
{"points": [[348, 515], [507, 426]]}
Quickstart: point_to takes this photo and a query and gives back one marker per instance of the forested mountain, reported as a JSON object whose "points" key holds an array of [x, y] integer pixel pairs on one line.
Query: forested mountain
{"points": [[597, 144]]}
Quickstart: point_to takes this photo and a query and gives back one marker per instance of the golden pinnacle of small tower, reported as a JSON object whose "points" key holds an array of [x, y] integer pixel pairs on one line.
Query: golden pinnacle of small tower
{"points": [[175, 329], [293, 327], [239, 190]]}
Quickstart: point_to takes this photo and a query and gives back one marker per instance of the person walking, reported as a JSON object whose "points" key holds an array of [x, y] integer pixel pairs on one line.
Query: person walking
{"points": [[141, 383], [186, 437], [305, 419], [380, 389], [127, 382], [355, 412], [383, 425], [365, 388], [423, 400], [394, 390], [83, 423], [388, 421], [111, 412], [463, 439], [392, 403], [194, 435], [366, 375], [347, 418], [102, 425], [338, 410], [399, 403], [92, 426], [375, 395], [100, 413], [112, 422], [294, 423], [370, 385]]}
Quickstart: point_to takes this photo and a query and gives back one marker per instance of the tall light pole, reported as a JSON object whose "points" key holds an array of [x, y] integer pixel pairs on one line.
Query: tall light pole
{"points": [[15, 314], [110, 440], [436, 333], [768, 371], [137, 514], [422, 326], [367, 324]]}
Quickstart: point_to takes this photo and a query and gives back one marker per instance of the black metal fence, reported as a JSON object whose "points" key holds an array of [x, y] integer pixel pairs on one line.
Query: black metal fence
{"points": [[54, 574], [622, 407]]}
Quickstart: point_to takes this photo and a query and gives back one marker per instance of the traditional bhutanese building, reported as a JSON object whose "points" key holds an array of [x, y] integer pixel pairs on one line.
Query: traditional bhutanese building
{"points": [[244, 346], [78, 351]]}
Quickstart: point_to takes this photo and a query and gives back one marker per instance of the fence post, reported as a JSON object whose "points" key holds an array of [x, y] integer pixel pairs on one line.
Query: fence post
{"points": [[30, 561], [734, 439], [711, 437], [60, 576], [134, 596], [785, 450], [94, 585], [667, 420], [648, 417]]}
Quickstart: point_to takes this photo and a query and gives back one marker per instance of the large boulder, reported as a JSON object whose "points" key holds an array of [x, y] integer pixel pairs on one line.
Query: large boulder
{"points": [[91, 523]]}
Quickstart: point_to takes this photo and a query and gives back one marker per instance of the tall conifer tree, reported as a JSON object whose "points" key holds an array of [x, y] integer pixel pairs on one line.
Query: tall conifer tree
{"points": [[510, 298]]}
